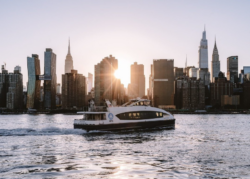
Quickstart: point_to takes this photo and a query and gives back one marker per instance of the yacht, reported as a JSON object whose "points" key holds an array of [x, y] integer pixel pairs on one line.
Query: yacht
{"points": [[136, 113]]}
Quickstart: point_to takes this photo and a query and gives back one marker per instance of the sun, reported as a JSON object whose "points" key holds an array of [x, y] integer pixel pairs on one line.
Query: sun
{"points": [[123, 73]]}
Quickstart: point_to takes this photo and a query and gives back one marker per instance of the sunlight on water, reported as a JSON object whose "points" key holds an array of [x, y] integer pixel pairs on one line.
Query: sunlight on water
{"points": [[200, 146]]}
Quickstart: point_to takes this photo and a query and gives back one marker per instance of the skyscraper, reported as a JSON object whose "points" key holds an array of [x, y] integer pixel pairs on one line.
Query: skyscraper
{"points": [[215, 64], [203, 72], [15, 91], [106, 85], [4, 77], [232, 69], [33, 89], [162, 82], [73, 90], [49, 79], [203, 52], [136, 87], [68, 61]]}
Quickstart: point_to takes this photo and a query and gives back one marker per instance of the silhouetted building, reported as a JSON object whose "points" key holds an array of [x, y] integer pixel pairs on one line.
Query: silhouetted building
{"points": [[136, 88], [215, 64], [73, 90], [15, 90], [162, 85], [189, 93], [220, 87], [246, 94], [232, 69], [11, 88], [106, 85], [178, 72], [33, 89], [233, 100], [68, 61], [49, 79]]}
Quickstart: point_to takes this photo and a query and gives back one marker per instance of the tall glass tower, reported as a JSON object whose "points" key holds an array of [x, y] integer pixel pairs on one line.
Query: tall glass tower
{"points": [[49, 79]]}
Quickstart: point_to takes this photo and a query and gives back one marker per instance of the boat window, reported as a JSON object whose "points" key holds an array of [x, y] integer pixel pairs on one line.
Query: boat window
{"points": [[140, 115]]}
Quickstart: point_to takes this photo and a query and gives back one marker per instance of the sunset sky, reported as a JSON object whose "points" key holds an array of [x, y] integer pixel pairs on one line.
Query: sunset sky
{"points": [[131, 30]]}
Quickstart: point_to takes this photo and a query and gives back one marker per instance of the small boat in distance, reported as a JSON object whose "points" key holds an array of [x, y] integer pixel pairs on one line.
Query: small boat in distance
{"points": [[136, 113]]}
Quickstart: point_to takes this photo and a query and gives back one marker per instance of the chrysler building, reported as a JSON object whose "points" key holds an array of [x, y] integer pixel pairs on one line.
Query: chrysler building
{"points": [[68, 61]]}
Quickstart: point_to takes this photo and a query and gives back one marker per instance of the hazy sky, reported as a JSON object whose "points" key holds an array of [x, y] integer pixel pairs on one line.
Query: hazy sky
{"points": [[130, 30]]}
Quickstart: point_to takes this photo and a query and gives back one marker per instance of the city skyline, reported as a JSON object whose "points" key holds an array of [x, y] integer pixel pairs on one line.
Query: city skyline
{"points": [[137, 33]]}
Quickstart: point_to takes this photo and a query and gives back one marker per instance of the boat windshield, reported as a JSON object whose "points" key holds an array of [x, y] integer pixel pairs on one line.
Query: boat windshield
{"points": [[137, 103], [129, 103]]}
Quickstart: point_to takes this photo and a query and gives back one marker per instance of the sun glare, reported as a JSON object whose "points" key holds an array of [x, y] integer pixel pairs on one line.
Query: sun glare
{"points": [[123, 73]]}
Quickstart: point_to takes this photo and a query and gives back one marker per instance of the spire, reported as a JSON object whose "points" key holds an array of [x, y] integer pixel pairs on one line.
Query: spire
{"points": [[186, 62], [204, 33], [69, 47]]}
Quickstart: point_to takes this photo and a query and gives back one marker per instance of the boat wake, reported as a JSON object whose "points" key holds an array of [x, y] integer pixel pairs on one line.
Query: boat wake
{"points": [[40, 132]]}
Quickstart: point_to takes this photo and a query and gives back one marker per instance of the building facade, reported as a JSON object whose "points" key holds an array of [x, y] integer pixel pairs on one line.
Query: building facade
{"points": [[221, 86], [15, 91], [73, 90], [49, 79], [162, 84], [232, 69], [11, 89], [33, 89], [189, 93], [136, 88], [215, 64], [203, 73], [178, 72], [193, 72], [68, 62], [106, 85]]}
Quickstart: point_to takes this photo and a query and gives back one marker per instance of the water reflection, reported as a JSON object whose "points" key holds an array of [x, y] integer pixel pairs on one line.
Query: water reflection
{"points": [[201, 146]]}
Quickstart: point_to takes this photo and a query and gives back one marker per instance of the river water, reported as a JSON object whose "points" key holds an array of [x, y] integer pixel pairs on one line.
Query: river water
{"points": [[200, 146]]}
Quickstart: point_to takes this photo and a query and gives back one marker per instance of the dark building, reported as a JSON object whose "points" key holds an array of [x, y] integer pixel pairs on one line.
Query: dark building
{"points": [[106, 85], [15, 92], [49, 79], [189, 93], [73, 90], [220, 87], [136, 88], [232, 69], [162, 82], [4, 86], [178, 72], [33, 89], [246, 94]]}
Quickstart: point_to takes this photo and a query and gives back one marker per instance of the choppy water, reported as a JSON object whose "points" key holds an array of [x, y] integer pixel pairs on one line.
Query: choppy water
{"points": [[200, 146]]}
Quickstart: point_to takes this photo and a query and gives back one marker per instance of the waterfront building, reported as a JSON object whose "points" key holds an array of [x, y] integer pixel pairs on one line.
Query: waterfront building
{"points": [[162, 82], [189, 93], [193, 72], [73, 90], [221, 86], [90, 82], [232, 69], [233, 100], [215, 63], [68, 61], [11, 88], [33, 89], [178, 72], [14, 99], [49, 79], [3, 86], [246, 94], [106, 85], [136, 88], [203, 72]]}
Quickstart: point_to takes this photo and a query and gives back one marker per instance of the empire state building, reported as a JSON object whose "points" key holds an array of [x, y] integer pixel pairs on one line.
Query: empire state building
{"points": [[68, 61]]}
